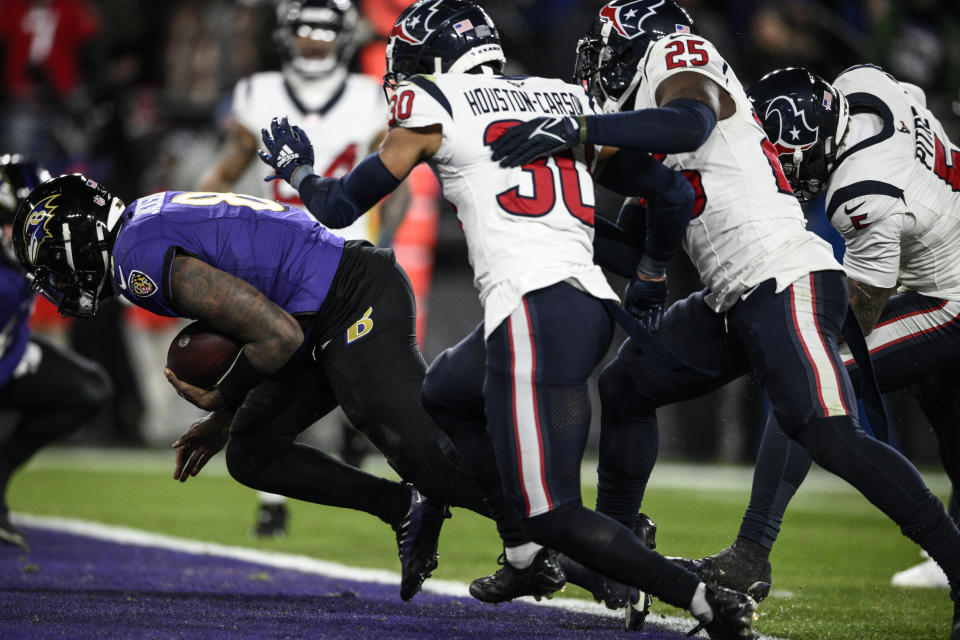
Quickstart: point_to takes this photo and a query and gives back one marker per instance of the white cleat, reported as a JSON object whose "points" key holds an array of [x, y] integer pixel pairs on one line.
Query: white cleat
{"points": [[927, 574]]}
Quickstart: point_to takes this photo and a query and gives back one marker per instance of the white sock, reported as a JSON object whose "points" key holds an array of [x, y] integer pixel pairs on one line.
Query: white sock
{"points": [[699, 607], [270, 499], [522, 557]]}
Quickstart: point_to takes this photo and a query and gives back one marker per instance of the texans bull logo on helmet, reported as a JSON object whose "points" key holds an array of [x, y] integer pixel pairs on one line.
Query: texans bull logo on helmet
{"points": [[794, 132], [416, 27], [628, 17], [35, 231]]}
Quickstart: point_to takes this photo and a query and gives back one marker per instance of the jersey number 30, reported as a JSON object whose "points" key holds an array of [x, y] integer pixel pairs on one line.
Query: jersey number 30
{"points": [[544, 196]]}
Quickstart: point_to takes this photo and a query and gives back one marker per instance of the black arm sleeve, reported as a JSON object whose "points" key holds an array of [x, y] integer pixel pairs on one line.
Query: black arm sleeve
{"points": [[680, 125]]}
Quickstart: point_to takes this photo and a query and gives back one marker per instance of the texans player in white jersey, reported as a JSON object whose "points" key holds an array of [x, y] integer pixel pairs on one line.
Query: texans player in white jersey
{"points": [[892, 181], [345, 110], [548, 310], [775, 299]]}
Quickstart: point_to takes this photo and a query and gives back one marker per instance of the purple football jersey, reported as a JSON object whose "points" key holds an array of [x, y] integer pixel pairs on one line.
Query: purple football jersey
{"points": [[283, 252], [16, 302]]}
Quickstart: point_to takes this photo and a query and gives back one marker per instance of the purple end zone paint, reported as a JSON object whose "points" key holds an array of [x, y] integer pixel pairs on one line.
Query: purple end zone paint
{"points": [[75, 587]]}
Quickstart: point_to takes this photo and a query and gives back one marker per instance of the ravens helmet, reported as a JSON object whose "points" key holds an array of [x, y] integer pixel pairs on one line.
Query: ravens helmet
{"points": [[609, 57], [805, 118], [61, 237], [330, 27], [441, 36], [18, 177]]}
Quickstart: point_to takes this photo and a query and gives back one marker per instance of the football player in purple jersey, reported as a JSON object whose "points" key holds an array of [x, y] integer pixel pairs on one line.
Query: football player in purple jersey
{"points": [[33, 369], [323, 322]]}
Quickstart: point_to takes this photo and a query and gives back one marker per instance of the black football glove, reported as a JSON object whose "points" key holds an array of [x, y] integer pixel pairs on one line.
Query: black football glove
{"points": [[646, 294], [289, 148], [536, 138]]}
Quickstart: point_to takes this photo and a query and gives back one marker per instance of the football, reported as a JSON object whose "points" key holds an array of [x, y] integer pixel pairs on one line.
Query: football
{"points": [[199, 355]]}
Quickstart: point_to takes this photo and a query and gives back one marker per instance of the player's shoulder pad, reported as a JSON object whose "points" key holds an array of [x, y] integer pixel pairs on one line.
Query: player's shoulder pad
{"points": [[428, 84], [864, 77], [851, 197]]}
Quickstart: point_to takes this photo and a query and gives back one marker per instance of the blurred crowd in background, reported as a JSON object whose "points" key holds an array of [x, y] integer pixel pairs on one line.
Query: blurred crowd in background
{"points": [[136, 94]]}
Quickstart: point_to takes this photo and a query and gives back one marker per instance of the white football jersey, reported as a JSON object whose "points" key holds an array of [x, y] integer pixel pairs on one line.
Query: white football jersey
{"points": [[526, 227], [342, 129], [894, 192], [747, 226]]}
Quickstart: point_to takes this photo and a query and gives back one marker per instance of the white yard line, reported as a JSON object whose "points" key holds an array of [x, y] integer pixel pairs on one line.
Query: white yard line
{"points": [[124, 535]]}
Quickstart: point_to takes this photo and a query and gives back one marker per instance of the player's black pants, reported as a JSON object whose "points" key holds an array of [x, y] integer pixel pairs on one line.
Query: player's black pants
{"points": [[789, 340], [373, 369], [57, 392], [915, 344]]}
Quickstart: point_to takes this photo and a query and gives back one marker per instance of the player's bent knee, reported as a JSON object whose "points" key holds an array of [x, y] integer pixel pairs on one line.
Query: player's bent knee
{"points": [[821, 438], [94, 390], [616, 389], [242, 463], [550, 529]]}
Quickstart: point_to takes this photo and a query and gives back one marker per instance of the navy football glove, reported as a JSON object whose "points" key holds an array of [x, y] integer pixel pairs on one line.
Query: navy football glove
{"points": [[646, 294], [536, 138], [289, 148]]}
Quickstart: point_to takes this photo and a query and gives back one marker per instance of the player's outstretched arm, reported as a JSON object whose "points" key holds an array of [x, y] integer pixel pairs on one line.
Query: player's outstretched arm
{"points": [[690, 105], [337, 202], [233, 307]]}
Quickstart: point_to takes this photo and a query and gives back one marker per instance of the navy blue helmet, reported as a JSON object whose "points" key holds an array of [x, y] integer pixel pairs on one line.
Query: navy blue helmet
{"points": [[18, 177], [441, 36], [608, 58], [805, 118], [61, 237], [319, 20]]}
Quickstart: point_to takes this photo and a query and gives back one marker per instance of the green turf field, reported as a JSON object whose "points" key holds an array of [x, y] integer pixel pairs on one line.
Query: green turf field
{"points": [[831, 568]]}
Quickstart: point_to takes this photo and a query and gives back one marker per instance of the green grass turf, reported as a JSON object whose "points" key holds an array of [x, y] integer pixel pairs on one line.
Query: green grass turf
{"points": [[832, 564]]}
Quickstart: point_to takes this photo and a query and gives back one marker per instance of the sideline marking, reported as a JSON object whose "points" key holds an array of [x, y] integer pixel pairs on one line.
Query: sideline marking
{"points": [[306, 564]]}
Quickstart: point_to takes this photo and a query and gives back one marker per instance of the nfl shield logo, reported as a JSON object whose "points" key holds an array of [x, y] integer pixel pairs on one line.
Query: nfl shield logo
{"points": [[827, 100]]}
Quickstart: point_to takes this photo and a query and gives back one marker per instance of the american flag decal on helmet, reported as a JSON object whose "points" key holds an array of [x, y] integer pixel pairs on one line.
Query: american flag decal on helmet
{"points": [[827, 100], [463, 25], [682, 28]]}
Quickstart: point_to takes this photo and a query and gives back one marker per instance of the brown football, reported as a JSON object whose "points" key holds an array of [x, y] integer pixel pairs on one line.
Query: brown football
{"points": [[201, 356]]}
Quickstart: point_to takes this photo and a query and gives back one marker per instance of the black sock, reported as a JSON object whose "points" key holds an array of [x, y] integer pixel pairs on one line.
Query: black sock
{"points": [[390, 502]]}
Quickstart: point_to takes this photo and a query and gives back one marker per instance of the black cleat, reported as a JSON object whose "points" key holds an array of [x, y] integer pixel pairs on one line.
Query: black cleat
{"points": [[733, 614], [636, 611], [611, 593], [733, 569], [418, 535], [10, 534], [542, 578], [271, 521]]}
